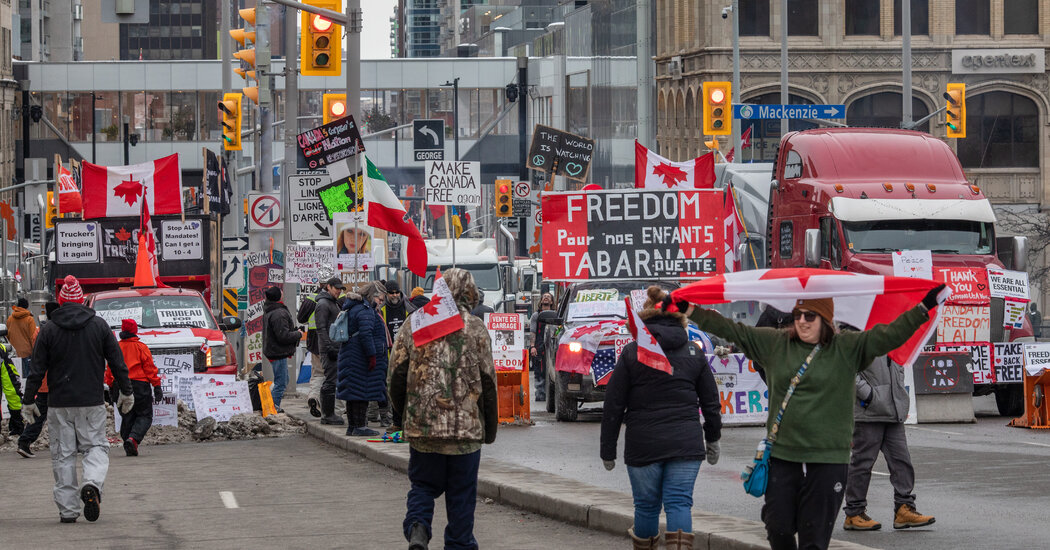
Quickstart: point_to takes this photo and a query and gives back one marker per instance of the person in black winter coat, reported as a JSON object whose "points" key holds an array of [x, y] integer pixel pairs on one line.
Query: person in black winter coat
{"points": [[362, 359], [664, 441], [280, 337], [326, 312], [418, 299]]}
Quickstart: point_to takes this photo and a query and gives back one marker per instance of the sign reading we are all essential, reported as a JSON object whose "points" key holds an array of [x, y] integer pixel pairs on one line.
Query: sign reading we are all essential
{"points": [[632, 234]]}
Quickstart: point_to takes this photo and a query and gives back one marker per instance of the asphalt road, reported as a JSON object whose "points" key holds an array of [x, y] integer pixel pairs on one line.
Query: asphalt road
{"points": [[291, 492], [987, 484]]}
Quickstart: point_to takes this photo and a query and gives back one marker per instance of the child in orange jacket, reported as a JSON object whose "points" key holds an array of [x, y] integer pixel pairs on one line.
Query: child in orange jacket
{"points": [[143, 374]]}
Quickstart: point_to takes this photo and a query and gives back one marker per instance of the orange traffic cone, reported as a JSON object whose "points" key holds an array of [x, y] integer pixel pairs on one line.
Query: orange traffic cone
{"points": [[143, 269]]}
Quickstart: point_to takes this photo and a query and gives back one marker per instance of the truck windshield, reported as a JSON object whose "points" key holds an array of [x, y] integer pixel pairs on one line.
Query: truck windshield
{"points": [[156, 311], [938, 236], [486, 276]]}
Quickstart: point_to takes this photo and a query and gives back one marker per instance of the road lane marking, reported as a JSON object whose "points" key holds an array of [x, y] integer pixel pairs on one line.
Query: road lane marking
{"points": [[1036, 444], [228, 499], [935, 431], [879, 473]]}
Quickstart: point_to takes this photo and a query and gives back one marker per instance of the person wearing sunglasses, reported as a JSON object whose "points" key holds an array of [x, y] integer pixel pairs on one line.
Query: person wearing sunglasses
{"points": [[810, 458]]}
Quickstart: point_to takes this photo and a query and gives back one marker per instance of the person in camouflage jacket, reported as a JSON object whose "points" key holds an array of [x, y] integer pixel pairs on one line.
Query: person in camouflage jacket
{"points": [[445, 390]]}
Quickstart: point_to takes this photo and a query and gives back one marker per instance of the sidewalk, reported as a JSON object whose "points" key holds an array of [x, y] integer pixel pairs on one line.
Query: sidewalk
{"points": [[557, 497]]}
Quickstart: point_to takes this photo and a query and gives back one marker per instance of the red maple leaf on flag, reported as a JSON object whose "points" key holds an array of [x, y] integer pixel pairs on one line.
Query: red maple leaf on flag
{"points": [[672, 175], [122, 235], [128, 190], [431, 307]]}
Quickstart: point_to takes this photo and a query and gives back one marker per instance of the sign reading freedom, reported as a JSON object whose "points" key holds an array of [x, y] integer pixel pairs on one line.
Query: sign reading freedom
{"points": [[632, 234]]}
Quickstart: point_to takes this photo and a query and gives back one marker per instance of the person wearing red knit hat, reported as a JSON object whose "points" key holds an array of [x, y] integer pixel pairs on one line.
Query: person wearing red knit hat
{"points": [[72, 350], [145, 382]]}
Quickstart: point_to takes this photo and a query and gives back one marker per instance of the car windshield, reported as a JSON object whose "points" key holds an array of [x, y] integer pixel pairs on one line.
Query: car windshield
{"points": [[938, 236], [605, 300], [156, 311], [486, 276]]}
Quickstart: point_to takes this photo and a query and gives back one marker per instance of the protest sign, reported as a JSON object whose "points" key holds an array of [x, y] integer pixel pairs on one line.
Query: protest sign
{"points": [[943, 372], [1008, 358], [184, 317], [632, 234], [1004, 283], [980, 354], [1036, 358], [115, 316], [960, 323], [969, 284], [913, 263], [170, 368], [452, 183], [186, 384], [221, 401], [1014, 312], [305, 264], [326, 144], [507, 331], [560, 152], [741, 391], [182, 240]]}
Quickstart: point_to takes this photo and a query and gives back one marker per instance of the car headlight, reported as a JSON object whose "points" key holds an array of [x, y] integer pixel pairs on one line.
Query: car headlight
{"points": [[216, 355], [575, 347]]}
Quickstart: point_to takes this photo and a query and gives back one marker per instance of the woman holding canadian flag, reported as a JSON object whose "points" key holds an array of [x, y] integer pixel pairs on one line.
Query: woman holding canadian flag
{"points": [[814, 366]]}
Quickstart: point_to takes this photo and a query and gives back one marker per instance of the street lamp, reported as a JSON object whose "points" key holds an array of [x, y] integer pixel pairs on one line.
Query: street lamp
{"points": [[94, 119], [455, 112]]}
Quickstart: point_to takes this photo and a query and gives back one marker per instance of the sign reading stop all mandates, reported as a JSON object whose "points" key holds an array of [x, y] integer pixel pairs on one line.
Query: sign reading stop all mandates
{"points": [[264, 212]]}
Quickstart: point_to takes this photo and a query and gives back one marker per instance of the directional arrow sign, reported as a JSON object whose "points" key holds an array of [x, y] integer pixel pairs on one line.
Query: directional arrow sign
{"points": [[428, 139], [232, 270], [754, 112]]}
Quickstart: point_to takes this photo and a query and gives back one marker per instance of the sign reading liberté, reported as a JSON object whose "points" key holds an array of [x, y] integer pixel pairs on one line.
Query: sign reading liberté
{"points": [[452, 183]]}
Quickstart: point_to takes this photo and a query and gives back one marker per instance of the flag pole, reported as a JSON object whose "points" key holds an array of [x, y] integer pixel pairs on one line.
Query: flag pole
{"points": [[736, 206], [206, 198]]}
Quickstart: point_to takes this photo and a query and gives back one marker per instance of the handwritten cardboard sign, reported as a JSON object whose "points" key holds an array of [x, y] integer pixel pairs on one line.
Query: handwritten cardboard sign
{"points": [[221, 402], [969, 284], [1008, 284], [917, 264], [964, 324]]}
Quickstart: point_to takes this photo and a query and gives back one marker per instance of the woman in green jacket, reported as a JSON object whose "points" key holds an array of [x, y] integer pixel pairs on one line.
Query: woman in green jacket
{"points": [[810, 459]]}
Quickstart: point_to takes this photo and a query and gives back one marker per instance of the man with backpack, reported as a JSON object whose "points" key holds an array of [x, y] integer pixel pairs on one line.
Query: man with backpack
{"points": [[325, 313]]}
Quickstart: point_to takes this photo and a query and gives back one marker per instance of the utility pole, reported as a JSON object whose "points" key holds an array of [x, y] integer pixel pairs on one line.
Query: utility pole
{"points": [[127, 142], [783, 62], [523, 146], [736, 124], [291, 129], [645, 80], [906, 63]]}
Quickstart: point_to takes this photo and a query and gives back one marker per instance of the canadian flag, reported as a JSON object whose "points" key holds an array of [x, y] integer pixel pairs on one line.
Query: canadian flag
{"points": [[650, 353], [578, 346], [440, 317], [733, 228], [116, 190], [745, 138], [651, 171], [68, 193]]}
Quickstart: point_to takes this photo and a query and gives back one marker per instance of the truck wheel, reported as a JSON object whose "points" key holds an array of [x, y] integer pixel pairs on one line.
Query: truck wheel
{"points": [[1010, 400], [551, 391], [565, 407]]}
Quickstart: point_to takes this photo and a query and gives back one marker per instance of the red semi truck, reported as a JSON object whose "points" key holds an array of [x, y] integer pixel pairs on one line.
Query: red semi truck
{"points": [[847, 198]]}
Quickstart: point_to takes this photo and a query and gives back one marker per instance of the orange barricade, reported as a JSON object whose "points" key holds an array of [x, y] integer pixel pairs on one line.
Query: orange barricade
{"points": [[1036, 408], [512, 389], [266, 398]]}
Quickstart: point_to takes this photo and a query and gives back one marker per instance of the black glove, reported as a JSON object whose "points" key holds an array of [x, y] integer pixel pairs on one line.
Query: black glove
{"points": [[930, 301], [105, 396], [158, 394], [333, 355]]}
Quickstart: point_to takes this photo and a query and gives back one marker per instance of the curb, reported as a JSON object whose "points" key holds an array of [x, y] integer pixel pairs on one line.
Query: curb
{"points": [[557, 497]]}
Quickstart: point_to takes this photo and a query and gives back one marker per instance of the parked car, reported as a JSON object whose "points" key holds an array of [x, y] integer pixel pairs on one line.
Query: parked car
{"points": [[172, 321]]}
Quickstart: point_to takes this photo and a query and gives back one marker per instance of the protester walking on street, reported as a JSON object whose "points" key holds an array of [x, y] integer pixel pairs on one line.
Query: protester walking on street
{"points": [[21, 332], [363, 358], [305, 315], [664, 441], [325, 314], [33, 428], [878, 414], [12, 388], [145, 384], [537, 353], [72, 351], [445, 390], [280, 338], [395, 311], [809, 461]]}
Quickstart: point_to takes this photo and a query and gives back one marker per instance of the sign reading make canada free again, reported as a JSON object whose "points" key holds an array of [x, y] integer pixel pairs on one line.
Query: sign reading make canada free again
{"points": [[560, 152], [453, 183]]}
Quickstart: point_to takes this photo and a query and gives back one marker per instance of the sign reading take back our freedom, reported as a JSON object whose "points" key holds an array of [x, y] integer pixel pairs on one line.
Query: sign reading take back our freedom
{"points": [[632, 234]]}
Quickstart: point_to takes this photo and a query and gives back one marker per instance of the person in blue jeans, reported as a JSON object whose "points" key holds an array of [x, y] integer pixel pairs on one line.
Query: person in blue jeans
{"points": [[664, 440], [280, 337]]}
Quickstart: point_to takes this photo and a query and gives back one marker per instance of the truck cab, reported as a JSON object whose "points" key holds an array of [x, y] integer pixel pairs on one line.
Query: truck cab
{"points": [[481, 258], [847, 198]]}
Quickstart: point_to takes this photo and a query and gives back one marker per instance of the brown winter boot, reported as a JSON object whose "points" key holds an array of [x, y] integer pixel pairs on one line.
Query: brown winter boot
{"points": [[861, 522], [678, 540], [652, 543], [906, 517]]}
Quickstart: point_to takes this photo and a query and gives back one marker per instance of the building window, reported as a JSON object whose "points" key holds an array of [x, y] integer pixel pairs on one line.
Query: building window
{"points": [[884, 110], [765, 134], [786, 244], [1021, 16], [754, 17], [920, 17], [972, 17], [803, 18], [862, 17], [1002, 131]]}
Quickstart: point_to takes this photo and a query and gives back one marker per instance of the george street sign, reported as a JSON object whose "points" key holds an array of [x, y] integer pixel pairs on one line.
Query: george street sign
{"points": [[753, 112], [428, 139], [309, 221]]}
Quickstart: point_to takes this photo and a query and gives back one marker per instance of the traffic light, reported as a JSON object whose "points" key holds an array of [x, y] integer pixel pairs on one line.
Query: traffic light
{"points": [[321, 45], [247, 56], [718, 114], [955, 114], [334, 107], [51, 212], [504, 198], [512, 93], [230, 113]]}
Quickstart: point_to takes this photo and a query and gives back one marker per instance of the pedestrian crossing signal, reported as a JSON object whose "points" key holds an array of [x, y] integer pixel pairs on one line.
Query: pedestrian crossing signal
{"points": [[718, 119]]}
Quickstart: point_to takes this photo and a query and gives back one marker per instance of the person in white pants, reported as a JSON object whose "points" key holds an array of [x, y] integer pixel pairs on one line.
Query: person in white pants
{"points": [[72, 351]]}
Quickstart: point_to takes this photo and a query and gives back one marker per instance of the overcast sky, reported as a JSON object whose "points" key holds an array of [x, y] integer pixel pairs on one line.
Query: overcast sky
{"points": [[375, 35]]}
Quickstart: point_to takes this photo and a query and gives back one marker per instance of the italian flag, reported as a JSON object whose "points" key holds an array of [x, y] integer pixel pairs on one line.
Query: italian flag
{"points": [[384, 211]]}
